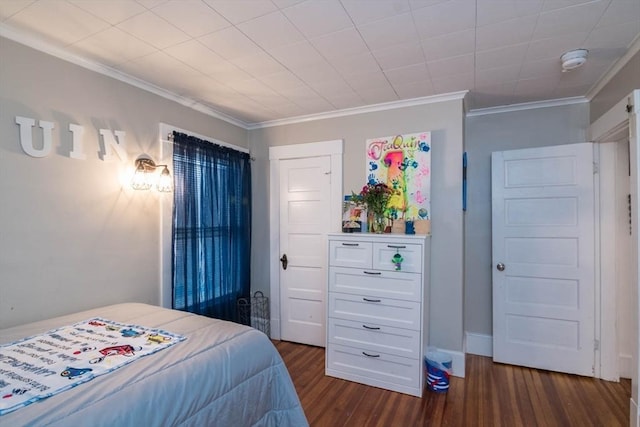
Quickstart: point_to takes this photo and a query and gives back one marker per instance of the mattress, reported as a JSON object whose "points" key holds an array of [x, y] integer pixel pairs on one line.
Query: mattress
{"points": [[223, 374]]}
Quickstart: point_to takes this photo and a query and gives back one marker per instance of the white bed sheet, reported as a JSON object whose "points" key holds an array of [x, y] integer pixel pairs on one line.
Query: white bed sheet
{"points": [[223, 374]]}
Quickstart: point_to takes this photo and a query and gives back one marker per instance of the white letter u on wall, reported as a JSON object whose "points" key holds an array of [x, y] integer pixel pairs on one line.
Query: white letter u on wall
{"points": [[26, 136]]}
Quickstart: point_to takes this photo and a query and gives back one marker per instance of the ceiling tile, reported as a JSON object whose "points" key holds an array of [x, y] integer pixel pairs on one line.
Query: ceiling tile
{"points": [[154, 30], [563, 4], [281, 81], [613, 36], [451, 66], [447, 17], [315, 19], [368, 81], [230, 43], [251, 87], [76, 25], [453, 44], [496, 76], [389, 32], [620, 12], [191, 16], [414, 89], [200, 58], [161, 70], [408, 53], [409, 74], [518, 30], [345, 100], [272, 30], [365, 11], [455, 83], [341, 43], [112, 46], [150, 4], [494, 11], [539, 87], [8, 8], [258, 63], [502, 57], [115, 12], [318, 72], [569, 20], [541, 68], [355, 64], [237, 11], [297, 55], [286, 3], [377, 95], [554, 47]]}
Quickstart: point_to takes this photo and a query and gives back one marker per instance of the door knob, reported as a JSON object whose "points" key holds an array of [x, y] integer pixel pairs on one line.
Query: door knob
{"points": [[500, 266], [284, 261]]}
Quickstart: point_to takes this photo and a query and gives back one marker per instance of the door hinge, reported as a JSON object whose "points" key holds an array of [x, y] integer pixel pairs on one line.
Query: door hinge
{"points": [[596, 168], [596, 345]]}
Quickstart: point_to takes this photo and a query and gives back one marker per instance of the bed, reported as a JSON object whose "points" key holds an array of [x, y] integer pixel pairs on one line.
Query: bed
{"points": [[223, 374]]}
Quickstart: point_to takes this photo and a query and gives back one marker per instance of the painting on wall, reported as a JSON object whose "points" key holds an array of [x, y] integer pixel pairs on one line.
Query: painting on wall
{"points": [[403, 162]]}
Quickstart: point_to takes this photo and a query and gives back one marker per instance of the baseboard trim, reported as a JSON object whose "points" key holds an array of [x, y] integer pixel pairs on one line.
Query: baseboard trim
{"points": [[624, 366], [457, 361], [479, 344]]}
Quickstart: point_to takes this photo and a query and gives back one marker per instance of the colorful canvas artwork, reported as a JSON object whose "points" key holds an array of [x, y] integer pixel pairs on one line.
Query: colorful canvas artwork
{"points": [[403, 162]]}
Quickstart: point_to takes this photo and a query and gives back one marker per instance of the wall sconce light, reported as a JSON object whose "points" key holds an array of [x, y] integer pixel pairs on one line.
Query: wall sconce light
{"points": [[144, 177]]}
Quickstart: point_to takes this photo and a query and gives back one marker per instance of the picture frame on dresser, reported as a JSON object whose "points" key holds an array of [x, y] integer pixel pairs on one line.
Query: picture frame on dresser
{"points": [[377, 309]]}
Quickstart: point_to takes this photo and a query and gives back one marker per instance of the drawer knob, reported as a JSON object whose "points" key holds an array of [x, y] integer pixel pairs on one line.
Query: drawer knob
{"points": [[371, 328], [371, 300], [397, 246], [350, 244], [373, 273]]}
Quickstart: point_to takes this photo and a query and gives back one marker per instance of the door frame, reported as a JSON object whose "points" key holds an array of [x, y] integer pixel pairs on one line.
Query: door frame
{"points": [[608, 125], [334, 149]]}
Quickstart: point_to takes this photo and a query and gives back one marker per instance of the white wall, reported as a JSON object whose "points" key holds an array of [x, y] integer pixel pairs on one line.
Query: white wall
{"points": [[73, 235], [485, 134], [445, 121]]}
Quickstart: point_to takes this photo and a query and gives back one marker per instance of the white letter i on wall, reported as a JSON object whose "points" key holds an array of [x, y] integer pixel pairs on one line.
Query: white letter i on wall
{"points": [[26, 136]]}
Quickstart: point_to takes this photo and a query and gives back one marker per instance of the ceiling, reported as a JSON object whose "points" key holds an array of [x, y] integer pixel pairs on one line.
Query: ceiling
{"points": [[259, 61]]}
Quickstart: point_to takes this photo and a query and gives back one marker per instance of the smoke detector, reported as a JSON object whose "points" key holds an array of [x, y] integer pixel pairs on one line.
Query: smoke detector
{"points": [[573, 59]]}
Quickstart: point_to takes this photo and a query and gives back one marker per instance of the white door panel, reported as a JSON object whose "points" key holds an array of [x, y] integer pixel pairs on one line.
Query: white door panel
{"points": [[543, 234], [304, 222]]}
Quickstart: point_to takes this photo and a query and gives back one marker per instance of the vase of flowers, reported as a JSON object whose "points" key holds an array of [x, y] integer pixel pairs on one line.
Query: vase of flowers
{"points": [[375, 197]]}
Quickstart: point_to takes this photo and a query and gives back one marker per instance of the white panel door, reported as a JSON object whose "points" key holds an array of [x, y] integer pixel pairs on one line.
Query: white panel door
{"points": [[544, 257], [304, 223]]}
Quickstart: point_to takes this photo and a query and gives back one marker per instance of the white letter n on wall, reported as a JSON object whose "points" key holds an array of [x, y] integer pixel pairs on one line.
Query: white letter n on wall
{"points": [[26, 136], [109, 142]]}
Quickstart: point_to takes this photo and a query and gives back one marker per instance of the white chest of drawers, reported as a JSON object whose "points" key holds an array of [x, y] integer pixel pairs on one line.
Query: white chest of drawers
{"points": [[376, 323]]}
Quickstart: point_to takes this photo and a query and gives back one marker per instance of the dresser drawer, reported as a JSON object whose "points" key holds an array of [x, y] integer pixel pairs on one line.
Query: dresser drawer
{"points": [[379, 338], [379, 369], [383, 311], [387, 284], [411, 253], [350, 254]]}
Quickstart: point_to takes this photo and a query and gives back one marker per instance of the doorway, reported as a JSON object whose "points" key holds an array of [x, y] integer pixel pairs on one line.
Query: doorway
{"points": [[305, 205]]}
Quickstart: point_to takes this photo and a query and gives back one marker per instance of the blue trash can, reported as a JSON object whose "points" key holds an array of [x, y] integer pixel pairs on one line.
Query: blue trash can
{"points": [[437, 371]]}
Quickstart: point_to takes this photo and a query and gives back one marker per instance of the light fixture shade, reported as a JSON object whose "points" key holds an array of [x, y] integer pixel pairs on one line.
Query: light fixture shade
{"points": [[141, 179], [164, 181], [573, 59]]}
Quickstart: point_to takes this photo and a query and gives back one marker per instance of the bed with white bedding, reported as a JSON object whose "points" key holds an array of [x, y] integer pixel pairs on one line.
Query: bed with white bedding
{"points": [[223, 374]]}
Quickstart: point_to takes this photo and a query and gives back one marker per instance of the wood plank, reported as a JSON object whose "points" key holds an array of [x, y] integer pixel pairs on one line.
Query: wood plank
{"points": [[492, 394]]}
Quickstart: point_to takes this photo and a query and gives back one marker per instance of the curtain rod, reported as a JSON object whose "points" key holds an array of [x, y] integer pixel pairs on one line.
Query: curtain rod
{"points": [[170, 140]]}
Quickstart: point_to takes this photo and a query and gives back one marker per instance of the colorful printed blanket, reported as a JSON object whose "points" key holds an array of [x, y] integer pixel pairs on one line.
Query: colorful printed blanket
{"points": [[43, 365]]}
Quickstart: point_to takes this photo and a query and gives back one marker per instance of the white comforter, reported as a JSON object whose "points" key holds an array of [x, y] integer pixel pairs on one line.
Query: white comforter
{"points": [[223, 374]]}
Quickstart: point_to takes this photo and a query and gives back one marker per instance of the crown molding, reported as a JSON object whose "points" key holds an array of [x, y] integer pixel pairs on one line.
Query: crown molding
{"points": [[633, 49], [361, 110], [527, 106], [61, 53]]}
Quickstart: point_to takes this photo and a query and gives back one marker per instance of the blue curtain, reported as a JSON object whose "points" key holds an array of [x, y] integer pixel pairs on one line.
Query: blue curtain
{"points": [[211, 227]]}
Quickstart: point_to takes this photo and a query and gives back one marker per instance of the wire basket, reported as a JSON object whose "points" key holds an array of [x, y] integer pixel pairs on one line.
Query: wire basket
{"points": [[254, 312]]}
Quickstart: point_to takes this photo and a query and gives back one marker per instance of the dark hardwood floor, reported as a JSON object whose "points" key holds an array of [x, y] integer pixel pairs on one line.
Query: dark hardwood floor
{"points": [[490, 395]]}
